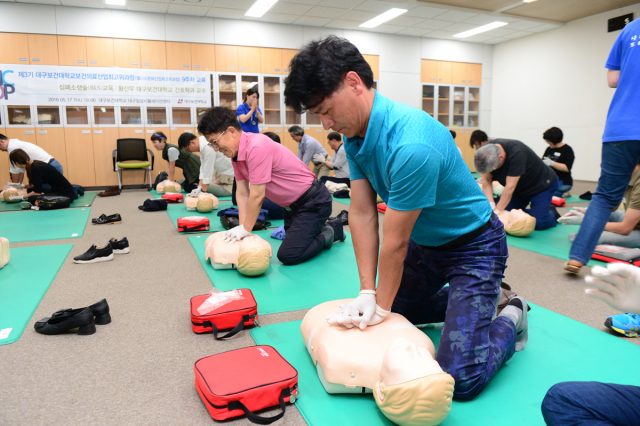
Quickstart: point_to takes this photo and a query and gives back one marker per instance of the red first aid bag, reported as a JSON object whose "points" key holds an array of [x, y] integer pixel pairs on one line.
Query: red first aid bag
{"points": [[612, 254], [382, 207], [193, 224], [246, 380], [173, 197], [235, 315], [558, 201]]}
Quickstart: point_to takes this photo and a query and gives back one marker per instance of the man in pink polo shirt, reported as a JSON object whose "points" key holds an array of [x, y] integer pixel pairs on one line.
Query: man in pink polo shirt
{"points": [[263, 168]]}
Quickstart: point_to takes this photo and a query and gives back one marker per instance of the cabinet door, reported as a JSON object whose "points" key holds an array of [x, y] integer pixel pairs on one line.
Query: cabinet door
{"points": [[79, 147], [126, 53], [72, 51], [288, 141], [459, 73], [374, 63], [178, 56], [462, 141], [428, 71], [15, 48], [153, 54], [104, 142], [51, 139], [270, 61], [474, 74], [445, 71], [43, 49], [226, 58], [249, 59], [25, 134], [4, 167], [100, 52], [287, 56], [203, 57]]}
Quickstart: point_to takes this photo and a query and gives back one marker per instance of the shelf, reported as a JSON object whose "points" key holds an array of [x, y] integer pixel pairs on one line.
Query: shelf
{"points": [[443, 113], [427, 98], [443, 99], [474, 100], [227, 91], [473, 112], [271, 92], [272, 109], [462, 115]]}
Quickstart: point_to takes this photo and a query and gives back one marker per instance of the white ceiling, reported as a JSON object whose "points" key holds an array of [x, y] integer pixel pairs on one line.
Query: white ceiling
{"points": [[422, 19]]}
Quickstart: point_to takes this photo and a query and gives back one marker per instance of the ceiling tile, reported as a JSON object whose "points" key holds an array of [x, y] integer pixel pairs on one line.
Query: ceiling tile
{"points": [[496, 40], [234, 4], [181, 9], [501, 32], [387, 28], [456, 16], [406, 21], [54, 2], [325, 12], [441, 34], [219, 12], [358, 15], [345, 25], [383, 6], [518, 34], [479, 38], [425, 12], [147, 6], [525, 25], [290, 8], [459, 27], [311, 2], [312, 21], [487, 19], [414, 31], [99, 4], [341, 4], [432, 24], [279, 18], [208, 3], [543, 27]]}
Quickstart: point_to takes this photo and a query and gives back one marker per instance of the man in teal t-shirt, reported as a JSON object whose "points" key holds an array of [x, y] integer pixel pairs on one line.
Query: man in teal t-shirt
{"points": [[438, 227]]}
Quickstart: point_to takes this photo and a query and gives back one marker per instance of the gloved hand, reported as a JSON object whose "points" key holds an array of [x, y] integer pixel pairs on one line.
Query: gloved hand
{"points": [[379, 316], [16, 198], [361, 311], [493, 205], [548, 161], [196, 192], [582, 210], [572, 218], [319, 158], [617, 285], [235, 234]]}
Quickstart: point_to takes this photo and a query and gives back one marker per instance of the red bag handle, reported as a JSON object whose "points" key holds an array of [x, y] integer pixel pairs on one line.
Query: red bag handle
{"points": [[254, 418]]}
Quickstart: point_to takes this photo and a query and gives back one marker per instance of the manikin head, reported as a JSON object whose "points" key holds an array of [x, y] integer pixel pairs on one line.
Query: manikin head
{"points": [[517, 223], [4, 142], [413, 389], [221, 128], [250, 256], [159, 140]]}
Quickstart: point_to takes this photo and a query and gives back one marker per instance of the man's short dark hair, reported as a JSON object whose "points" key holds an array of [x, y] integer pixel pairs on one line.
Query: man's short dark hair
{"points": [[478, 137], [319, 70], [296, 130], [3, 137], [453, 133], [334, 136], [272, 136], [185, 139], [553, 135], [217, 120]]}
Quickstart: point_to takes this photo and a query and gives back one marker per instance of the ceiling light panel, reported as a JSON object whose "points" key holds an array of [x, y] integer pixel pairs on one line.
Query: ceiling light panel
{"points": [[384, 17], [115, 2], [260, 7], [481, 29]]}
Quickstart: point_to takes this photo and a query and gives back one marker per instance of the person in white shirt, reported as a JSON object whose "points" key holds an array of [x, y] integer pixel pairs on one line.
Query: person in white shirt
{"points": [[339, 163], [33, 151], [216, 171]]}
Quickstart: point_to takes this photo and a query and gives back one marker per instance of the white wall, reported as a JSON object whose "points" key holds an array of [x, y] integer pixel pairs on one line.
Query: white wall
{"points": [[399, 55], [557, 78]]}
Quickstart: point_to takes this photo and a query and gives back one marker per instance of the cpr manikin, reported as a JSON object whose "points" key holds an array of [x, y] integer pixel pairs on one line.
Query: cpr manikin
{"points": [[203, 202], [166, 186], [251, 256], [517, 223], [13, 193], [394, 360], [4, 252]]}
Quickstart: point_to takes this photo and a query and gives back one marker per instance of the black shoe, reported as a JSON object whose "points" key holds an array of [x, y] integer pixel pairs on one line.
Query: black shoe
{"points": [[119, 247], [82, 319], [106, 220], [343, 216], [100, 310], [95, 254], [338, 231], [327, 231]]}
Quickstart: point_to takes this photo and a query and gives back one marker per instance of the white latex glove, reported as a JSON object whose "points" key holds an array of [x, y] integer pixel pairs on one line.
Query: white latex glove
{"points": [[196, 192], [378, 316], [572, 218], [582, 210], [493, 205], [235, 234], [617, 285], [547, 161], [319, 158], [359, 312], [16, 198]]}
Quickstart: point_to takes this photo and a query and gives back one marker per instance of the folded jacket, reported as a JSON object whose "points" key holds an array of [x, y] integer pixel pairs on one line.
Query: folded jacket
{"points": [[278, 233], [344, 193], [153, 205], [333, 187], [233, 211]]}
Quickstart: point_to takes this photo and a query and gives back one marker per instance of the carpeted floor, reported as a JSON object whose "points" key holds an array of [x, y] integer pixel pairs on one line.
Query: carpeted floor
{"points": [[138, 370]]}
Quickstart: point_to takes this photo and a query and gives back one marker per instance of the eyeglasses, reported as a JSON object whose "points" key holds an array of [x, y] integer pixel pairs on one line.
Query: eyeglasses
{"points": [[214, 144]]}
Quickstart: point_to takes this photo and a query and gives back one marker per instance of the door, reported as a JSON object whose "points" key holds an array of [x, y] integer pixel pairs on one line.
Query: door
{"points": [[271, 61], [126, 53], [15, 48], [178, 56], [445, 72], [287, 56], [203, 57], [100, 52], [226, 58], [43, 49], [474, 74], [153, 54], [429, 71], [271, 101], [79, 147], [72, 51], [248, 59], [459, 73]]}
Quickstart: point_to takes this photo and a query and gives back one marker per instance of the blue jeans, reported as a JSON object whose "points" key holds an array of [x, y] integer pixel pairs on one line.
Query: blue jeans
{"points": [[618, 161], [562, 189], [540, 206], [591, 404], [631, 241], [473, 346]]}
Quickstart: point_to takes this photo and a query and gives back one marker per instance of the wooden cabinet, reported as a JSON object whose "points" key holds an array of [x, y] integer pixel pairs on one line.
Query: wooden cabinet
{"points": [[474, 74], [126, 53], [25, 134], [15, 48], [43, 49], [462, 141], [100, 52], [287, 56], [153, 54], [429, 71], [203, 57], [72, 51], [459, 73], [444, 72], [104, 142], [226, 58], [79, 147], [248, 59], [374, 63], [178, 56], [288, 141], [271, 61], [51, 139], [5, 176], [177, 131]]}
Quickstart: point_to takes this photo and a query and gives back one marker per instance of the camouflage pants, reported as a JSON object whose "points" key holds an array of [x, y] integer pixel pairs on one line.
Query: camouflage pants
{"points": [[473, 345]]}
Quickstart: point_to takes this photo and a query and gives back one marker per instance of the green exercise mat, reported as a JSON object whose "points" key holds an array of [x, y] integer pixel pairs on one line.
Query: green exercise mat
{"points": [[176, 211], [83, 201], [22, 286], [346, 201], [575, 199], [155, 195], [552, 242], [475, 175], [31, 225], [559, 349], [332, 274]]}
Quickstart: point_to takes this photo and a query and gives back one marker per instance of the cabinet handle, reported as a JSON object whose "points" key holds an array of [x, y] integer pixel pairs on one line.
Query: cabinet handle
{"points": [[22, 59], [464, 81], [81, 61], [35, 59], [135, 63], [439, 79], [93, 62], [42, 132], [243, 68], [185, 66], [138, 131], [196, 66], [277, 69], [146, 64], [28, 132], [97, 132], [85, 131], [234, 68]]}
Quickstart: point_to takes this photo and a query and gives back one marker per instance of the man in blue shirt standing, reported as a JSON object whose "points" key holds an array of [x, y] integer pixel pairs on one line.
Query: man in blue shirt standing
{"points": [[308, 149], [438, 228], [621, 144]]}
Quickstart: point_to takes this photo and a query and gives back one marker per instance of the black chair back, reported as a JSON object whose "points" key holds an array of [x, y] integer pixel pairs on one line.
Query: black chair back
{"points": [[132, 149]]}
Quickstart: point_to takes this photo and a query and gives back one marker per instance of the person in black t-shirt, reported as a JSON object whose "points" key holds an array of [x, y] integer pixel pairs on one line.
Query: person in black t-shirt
{"points": [[40, 173], [526, 179], [559, 156]]}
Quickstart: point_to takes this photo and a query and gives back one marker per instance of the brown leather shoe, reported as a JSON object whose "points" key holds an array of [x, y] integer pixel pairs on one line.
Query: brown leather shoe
{"points": [[109, 192]]}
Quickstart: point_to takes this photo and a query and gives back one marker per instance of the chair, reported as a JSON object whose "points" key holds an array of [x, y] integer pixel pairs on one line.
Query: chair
{"points": [[131, 154]]}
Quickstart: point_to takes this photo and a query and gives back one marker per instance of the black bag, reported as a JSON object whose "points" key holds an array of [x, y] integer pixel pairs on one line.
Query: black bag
{"points": [[343, 193], [52, 202], [229, 222], [162, 176]]}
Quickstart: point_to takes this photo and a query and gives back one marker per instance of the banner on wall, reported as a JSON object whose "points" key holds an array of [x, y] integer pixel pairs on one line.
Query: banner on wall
{"points": [[56, 85]]}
